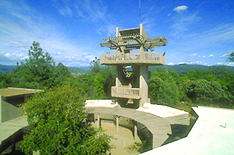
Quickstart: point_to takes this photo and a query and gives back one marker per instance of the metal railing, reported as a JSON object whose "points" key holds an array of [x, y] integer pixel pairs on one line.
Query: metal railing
{"points": [[133, 57], [133, 93]]}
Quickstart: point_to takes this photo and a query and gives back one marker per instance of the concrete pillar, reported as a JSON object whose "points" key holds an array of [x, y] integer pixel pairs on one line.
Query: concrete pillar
{"points": [[117, 124], [143, 84], [98, 121], [135, 130], [117, 32], [119, 70]]}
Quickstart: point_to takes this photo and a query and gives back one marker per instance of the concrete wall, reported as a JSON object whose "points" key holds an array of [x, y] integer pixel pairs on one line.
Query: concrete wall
{"points": [[8, 111]]}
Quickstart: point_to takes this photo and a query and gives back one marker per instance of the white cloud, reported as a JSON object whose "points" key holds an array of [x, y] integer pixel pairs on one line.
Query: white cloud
{"points": [[25, 25], [66, 11], [63, 7], [220, 63], [83, 59], [193, 62], [99, 32], [7, 54], [171, 63], [211, 56], [90, 10], [23, 58], [201, 56], [180, 63], [192, 55], [226, 55], [15, 56], [231, 64], [182, 23], [180, 8], [149, 23], [222, 33]]}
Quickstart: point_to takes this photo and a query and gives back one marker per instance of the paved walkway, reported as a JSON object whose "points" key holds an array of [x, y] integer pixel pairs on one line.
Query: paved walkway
{"points": [[212, 134], [124, 139]]}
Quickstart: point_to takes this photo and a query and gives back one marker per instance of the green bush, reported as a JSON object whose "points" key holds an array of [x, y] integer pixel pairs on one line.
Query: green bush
{"points": [[59, 118]]}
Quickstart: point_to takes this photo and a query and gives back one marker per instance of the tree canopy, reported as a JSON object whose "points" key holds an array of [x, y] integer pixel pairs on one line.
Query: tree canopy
{"points": [[59, 118], [39, 70], [231, 57]]}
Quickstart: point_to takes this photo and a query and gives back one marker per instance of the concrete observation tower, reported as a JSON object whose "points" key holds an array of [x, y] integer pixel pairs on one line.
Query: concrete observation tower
{"points": [[132, 73]]}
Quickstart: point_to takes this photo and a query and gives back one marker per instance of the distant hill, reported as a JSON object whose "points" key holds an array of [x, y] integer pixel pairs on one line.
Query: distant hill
{"points": [[177, 68], [6, 68], [78, 70], [185, 67], [74, 70]]}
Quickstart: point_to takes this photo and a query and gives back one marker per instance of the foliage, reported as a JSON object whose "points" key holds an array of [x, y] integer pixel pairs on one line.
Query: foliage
{"points": [[95, 66], [59, 118], [204, 91], [163, 92], [99, 87], [182, 68], [203, 87], [98, 81], [4, 80], [39, 70], [139, 146], [231, 57]]}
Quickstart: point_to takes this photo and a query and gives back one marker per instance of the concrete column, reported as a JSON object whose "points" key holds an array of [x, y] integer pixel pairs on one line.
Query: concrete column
{"points": [[135, 130], [119, 69], [117, 124], [117, 32], [143, 84], [98, 120]]}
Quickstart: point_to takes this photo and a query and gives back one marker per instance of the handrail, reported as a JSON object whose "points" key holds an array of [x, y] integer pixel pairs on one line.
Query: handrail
{"points": [[134, 57]]}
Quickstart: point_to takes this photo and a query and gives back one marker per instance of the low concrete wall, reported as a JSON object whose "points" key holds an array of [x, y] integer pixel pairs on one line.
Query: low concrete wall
{"points": [[8, 111]]}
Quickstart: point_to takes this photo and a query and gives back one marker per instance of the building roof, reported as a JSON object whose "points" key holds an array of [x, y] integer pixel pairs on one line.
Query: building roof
{"points": [[212, 134], [10, 91]]}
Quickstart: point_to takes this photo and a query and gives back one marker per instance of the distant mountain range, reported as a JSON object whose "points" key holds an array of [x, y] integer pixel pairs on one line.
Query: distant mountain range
{"points": [[74, 70], [6, 68], [177, 68], [185, 67]]}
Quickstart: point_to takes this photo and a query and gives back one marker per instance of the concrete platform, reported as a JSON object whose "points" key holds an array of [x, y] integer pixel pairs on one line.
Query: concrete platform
{"points": [[212, 134], [172, 115], [11, 128], [156, 128], [100, 103]]}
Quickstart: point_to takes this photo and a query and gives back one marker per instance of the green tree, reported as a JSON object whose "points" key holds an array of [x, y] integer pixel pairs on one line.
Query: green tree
{"points": [[163, 92], [95, 66], [39, 70], [99, 87], [231, 57], [60, 125], [204, 92]]}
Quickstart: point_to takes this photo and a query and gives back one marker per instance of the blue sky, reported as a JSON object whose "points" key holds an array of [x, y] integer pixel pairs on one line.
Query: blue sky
{"points": [[198, 32]]}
